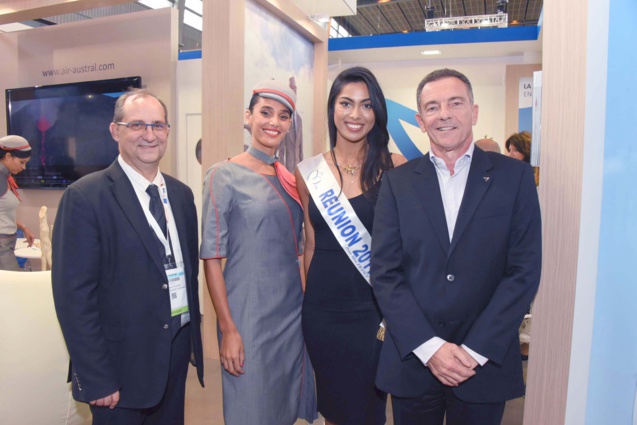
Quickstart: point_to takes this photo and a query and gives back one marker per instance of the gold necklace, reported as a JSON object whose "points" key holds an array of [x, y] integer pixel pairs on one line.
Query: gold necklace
{"points": [[350, 169]]}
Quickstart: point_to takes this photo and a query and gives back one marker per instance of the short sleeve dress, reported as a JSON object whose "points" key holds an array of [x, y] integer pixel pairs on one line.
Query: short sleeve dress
{"points": [[250, 220]]}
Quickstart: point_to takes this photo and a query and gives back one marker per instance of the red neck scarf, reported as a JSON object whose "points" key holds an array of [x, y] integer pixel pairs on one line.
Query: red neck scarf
{"points": [[14, 187], [288, 181]]}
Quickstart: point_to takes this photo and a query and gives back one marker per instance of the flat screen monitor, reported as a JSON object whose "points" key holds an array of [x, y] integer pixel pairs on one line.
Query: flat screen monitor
{"points": [[67, 128]]}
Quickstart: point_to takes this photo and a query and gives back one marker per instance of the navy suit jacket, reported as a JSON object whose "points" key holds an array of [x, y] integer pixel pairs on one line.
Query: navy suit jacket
{"points": [[108, 288], [473, 290]]}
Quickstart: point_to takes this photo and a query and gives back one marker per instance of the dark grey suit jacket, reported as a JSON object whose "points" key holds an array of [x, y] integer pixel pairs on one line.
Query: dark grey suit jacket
{"points": [[473, 290], [109, 288]]}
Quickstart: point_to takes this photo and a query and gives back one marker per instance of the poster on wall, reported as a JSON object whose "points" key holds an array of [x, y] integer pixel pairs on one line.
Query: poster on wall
{"points": [[525, 105], [537, 115], [273, 50]]}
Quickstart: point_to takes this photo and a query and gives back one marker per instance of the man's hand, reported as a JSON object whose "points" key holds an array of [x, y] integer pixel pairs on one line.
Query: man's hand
{"points": [[452, 365], [108, 401]]}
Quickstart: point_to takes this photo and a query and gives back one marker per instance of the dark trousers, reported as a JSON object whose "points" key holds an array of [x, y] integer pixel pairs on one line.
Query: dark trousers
{"points": [[430, 409], [170, 410]]}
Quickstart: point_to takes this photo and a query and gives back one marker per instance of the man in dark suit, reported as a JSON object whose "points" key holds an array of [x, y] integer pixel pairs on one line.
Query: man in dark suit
{"points": [[456, 262], [125, 266]]}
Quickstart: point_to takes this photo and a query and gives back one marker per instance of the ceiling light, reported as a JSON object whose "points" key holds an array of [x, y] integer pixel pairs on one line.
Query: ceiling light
{"points": [[155, 4], [430, 52], [501, 6], [321, 18]]}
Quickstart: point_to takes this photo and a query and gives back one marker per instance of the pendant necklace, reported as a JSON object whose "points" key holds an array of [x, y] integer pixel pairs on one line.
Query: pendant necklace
{"points": [[347, 169], [351, 170]]}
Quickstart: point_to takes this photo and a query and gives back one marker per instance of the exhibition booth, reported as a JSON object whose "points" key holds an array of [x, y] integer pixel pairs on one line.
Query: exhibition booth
{"points": [[206, 93]]}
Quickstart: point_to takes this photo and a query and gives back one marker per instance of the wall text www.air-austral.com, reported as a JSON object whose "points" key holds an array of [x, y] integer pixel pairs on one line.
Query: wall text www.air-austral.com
{"points": [[78, 69]]}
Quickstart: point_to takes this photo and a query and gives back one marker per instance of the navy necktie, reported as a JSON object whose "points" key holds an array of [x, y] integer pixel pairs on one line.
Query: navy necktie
{"points": [[156, 207]]}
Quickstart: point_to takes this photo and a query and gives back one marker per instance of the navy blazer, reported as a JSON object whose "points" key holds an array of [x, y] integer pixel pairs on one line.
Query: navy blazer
{"points": [[472, 290], [109, 288]]}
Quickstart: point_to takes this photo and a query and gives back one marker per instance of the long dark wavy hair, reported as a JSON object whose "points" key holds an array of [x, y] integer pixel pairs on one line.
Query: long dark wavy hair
{"points": [[377, 157]]}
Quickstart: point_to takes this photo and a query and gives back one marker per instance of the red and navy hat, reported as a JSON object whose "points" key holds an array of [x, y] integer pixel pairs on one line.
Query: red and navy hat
{"points": [[14, 143], [273, 89]]}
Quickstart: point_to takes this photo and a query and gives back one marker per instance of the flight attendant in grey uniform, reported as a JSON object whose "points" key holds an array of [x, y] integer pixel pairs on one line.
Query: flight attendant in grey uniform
{"points": [[15, 152], [252, 217]]}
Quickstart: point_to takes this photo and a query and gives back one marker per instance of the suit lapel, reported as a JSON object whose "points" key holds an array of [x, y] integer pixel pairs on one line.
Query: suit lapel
{"points": [[479, 180], [426, 185], [127, 199]]}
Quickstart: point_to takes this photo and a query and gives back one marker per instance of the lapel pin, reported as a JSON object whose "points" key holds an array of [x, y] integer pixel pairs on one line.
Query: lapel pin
{"points": [[486, 178]]}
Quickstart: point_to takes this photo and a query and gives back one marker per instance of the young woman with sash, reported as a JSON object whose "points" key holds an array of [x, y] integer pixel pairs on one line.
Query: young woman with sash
{"points": [[252, 217], [338, 190]]}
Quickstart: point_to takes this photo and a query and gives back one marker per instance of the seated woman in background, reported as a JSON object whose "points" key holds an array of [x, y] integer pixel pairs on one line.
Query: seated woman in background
{"points": [[252, 217], [340, 314], [518, 146], [15, 152]]}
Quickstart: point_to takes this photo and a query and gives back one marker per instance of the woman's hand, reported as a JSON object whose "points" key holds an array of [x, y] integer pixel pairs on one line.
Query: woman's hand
{"points": [[29, 235], [231, 352]]}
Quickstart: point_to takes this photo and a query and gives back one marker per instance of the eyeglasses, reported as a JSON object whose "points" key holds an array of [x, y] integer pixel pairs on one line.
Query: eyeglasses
{"points": [[142, 126]]}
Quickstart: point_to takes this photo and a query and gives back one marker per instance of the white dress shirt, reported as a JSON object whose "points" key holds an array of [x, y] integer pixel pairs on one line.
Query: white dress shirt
{"points": [[452, 189], [140, 184]]}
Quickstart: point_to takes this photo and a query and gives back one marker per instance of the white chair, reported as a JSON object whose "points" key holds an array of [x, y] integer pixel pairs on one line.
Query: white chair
{"points": [[33, 358]]}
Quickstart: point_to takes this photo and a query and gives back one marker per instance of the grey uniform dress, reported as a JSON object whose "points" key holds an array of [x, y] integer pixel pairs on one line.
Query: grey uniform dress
{"points": [[252, 222]]}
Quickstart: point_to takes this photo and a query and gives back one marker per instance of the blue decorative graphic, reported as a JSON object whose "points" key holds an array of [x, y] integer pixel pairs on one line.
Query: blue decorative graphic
{"points": [[397, 113]]}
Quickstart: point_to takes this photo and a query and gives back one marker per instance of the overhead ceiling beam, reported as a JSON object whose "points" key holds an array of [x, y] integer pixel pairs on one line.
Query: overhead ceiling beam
{"points": [[26, 10]]}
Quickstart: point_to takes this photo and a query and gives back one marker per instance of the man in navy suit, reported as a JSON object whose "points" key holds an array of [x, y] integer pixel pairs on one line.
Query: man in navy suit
{"points": [[125, 266], [456, 262]]}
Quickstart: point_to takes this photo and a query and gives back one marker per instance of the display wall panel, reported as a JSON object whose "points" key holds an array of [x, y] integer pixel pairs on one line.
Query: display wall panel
{"points": [[223, 89]]}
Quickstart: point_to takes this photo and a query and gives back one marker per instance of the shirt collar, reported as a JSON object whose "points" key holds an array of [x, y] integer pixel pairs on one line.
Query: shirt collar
{"points": [[464, 159], [136, 178], [4, 170]]}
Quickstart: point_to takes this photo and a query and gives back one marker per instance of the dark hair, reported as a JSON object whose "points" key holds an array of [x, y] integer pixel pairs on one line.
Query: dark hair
{"points": [[522, 143], [439, 74], [377, 157], [255, 98], [118, 115], [15, 153]]}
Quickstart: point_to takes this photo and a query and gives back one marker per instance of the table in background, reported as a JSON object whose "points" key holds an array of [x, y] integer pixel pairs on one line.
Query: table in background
{"points": [[23, 250]]}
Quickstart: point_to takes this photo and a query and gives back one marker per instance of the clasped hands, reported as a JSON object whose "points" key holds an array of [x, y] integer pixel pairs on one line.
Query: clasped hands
{"points": [[452, 365]]}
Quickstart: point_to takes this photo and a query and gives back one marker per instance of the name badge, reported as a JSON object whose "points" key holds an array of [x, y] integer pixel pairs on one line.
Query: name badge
{"points": [[178, 295]]}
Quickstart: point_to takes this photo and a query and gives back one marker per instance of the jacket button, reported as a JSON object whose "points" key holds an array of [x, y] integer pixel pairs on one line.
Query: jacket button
{"points": [[166, 326], [451, 278], [164, 286], [442, 324]]}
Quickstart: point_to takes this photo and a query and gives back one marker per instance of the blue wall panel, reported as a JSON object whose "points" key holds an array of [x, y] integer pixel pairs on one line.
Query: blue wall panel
{"points": [[613, 370]]}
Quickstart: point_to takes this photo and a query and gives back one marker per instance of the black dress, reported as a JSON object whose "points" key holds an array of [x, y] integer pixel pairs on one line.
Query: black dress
{"points": [[340, 319]]}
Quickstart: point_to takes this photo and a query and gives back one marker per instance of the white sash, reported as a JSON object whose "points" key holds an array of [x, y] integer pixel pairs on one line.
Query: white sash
{"points": [[338, 213]]}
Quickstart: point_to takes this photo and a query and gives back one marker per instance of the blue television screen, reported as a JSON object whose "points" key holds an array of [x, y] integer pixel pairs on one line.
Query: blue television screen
{"points": [[67, 128]]}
